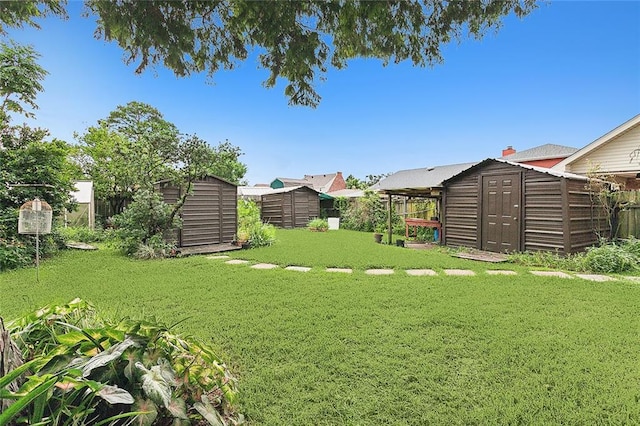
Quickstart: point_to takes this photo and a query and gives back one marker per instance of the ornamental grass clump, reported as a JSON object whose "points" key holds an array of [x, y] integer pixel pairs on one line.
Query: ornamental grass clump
{"points": [[610, 258], [79, 369], [318, 225]]}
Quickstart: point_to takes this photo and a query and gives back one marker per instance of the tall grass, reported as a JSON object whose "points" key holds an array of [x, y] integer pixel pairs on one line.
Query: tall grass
{"points": [[321, 348]]}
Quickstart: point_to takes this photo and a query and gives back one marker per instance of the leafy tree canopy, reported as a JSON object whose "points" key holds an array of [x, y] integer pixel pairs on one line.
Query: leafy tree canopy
{"points": [[134, 147], [20, 79], [297, 41]]}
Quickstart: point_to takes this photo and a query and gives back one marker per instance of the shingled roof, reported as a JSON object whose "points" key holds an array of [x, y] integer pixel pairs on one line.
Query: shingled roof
{"points": [[542, 152]]}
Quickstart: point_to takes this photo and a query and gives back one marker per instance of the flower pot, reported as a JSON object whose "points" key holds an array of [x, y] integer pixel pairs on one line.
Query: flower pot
{"points": [[400, 243], [377, 237]]}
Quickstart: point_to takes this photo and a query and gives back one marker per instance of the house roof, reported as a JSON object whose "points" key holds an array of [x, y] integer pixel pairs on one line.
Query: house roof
{"points": [[292, 182], [602, 140], [347, 193], [524, 166], [254, 191], [542, 152], [290, 188], [418, 182], [321, 183]]}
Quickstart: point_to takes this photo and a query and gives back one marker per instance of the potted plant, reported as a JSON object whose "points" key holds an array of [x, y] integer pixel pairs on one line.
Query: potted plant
{"points": [[379, 230]]}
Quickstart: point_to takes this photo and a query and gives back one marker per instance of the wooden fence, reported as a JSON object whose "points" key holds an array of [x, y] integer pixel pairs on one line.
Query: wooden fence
{"points": [[628, 223]]}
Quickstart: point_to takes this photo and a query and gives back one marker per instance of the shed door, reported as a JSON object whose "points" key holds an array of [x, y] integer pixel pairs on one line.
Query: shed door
{"points": [[501, 212]]}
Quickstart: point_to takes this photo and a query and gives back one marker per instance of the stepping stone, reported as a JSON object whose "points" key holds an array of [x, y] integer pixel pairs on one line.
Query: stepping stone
{"points": [[595, 277], [501, 272], [632, 278], [420, 272], [264, 266], [237, 262], [551, 274], [218, 257], [343, 270], [298, 268], [379, 271], [459, 272]]}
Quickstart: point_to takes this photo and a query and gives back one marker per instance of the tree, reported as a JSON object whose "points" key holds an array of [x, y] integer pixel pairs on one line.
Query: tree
{"points": [[297, 41], [134, 147], [15, 14], [20, 79], [353, 182]]}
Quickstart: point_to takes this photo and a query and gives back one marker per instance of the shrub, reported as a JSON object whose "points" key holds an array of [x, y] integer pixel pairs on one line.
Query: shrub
{"points": [[609, 258], [81, 369], [250, 226], [13, 254], [320, 225], [82, 234], [144, 222]]}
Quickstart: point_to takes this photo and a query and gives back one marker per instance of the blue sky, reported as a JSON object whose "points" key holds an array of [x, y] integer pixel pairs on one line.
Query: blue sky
{"points": [[566, 74]]}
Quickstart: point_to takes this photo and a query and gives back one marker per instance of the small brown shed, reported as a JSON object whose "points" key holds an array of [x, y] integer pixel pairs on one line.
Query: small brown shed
{"points": [[209, 215], [291, 207], [500, 206]]}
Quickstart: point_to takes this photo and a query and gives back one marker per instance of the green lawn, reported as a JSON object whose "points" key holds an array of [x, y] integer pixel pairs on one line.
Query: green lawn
{"points": [[327, 348]]}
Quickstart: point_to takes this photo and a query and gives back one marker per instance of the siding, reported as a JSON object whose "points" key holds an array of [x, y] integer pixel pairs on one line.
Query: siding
{"points": [[461, 213], [617, 155], [543, 212], [209, 214], [291, 209]]}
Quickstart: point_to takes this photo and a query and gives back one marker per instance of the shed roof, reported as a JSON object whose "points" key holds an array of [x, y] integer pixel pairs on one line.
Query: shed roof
{"points": [[84, 191], [524, 166], [288, 182], [290, 189], [542, 152], [254, 191], [347, 193], [419, 182]]}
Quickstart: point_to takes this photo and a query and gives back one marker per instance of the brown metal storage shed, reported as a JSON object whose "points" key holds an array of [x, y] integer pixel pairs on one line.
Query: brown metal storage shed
{"points": [[209, 215], [291, 207], [500, 206]]}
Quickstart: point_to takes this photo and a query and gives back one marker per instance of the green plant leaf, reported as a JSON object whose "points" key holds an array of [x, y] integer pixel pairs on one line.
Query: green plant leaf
{"points": [[154, 385], [115, 395], [209, 412], [178, 408], [16, 407], [103, 358], [71, 338]]}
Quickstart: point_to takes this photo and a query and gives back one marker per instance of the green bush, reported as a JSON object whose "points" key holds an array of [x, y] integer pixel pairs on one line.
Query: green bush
{"points": [[13, 254], [610, 258], [144, 222], [317, 224], [83, 234], [367, 214], [81, 369], [250, 226]]}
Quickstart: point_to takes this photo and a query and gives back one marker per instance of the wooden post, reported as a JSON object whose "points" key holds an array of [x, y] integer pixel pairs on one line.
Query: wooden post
{"points": [[390, 225]]}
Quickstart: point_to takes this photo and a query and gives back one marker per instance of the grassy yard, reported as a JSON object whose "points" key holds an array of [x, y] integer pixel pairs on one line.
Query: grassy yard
{"points": [[323, 348]]}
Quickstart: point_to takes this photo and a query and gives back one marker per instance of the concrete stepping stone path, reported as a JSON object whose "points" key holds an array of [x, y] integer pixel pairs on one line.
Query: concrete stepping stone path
{"points": [[298, 268], [379, 271], [236, 262], [421, 272], [264, 266], [595, 277], [501, 272], [558, 274], [342, 270], [218, 257], [459, 272]]}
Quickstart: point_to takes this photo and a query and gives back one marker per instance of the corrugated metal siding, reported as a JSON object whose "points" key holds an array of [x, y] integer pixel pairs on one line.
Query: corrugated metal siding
{"points": [[586, 219], [616, 155], [209, 214], [272, 207], [542, 212], [290, 209], [461, 212]]}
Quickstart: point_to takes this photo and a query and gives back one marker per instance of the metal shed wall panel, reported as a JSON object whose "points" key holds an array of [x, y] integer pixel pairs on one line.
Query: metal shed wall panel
{"points": [[209, 214], [461, 213], [291, 209]]}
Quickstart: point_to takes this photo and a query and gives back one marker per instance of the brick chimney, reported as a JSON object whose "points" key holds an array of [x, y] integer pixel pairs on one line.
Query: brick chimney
{"points": [[508, 151]]}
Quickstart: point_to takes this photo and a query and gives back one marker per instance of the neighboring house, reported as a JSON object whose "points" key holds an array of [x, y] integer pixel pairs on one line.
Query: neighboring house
{"points": [[615, 153], [546, 155], [291, 207], [501, 206], [321, 183]]}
